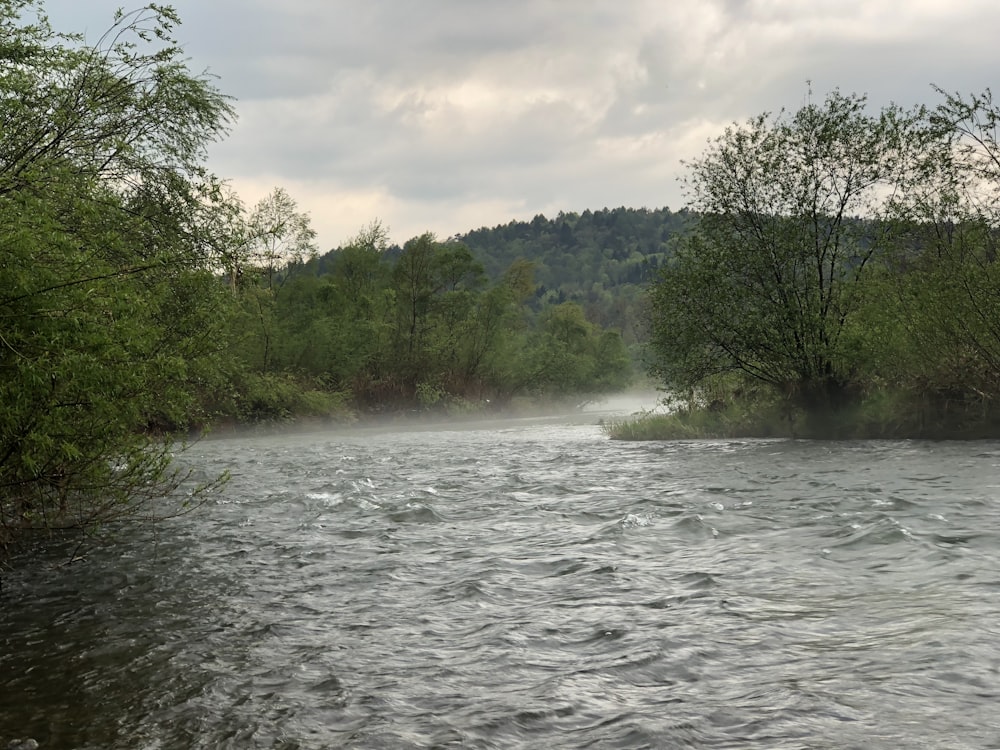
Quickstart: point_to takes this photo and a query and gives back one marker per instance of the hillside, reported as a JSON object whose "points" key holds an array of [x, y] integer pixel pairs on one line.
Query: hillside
{"points": [[600, 259]]}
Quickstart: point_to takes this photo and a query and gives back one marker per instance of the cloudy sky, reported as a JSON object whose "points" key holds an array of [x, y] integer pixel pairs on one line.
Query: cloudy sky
{"points": [[448, 115]]}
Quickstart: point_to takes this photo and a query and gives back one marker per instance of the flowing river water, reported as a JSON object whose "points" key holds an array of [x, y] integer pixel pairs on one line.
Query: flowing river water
{"points": [[529, 584]]}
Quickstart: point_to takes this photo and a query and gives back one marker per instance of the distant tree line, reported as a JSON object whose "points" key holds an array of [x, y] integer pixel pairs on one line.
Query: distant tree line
{"points": [[419, 327], [602, 260]]}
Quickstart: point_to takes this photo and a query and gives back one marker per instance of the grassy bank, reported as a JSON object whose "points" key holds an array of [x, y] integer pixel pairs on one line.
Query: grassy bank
{"points": [[881, 415]]}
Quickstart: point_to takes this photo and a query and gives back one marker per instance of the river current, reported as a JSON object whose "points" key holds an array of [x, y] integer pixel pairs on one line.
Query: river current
{"points": [[528, 584]]}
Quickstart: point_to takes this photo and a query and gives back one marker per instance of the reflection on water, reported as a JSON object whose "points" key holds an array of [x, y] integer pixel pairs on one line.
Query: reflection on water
{"points": [[526, 585]]}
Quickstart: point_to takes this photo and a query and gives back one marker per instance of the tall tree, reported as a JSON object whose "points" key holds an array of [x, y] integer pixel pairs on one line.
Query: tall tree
{"points": [[264, 248], [770, 278], [108, 305], [434, 284], [945, 271]]}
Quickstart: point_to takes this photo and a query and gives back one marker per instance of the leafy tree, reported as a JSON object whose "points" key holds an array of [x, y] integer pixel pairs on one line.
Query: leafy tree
{"points": [[769, 282], [945, 273], [259, 246], [264, 247], [564, 355], [357, 311], [434, 285], [109, 310], [491, 329], [359, 268]]}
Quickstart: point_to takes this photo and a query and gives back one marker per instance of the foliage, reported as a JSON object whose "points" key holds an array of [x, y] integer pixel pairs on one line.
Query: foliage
{"points": [[600, 260], [263, 243], [770, 280], [889, 413], [274, 397], [847, 262], [947, 280], [421, 328], [108, 307]]}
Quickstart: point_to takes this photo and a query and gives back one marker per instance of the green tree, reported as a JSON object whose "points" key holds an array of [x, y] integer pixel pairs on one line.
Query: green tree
{"points": [[945, 273], [491, 328], [563, 355], [357, 310], [109, 309], [435, 285], [769, 282], [264, 248]]}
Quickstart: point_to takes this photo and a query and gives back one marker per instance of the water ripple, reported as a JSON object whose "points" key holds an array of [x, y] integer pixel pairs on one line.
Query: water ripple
{"points": [[529, 586]]}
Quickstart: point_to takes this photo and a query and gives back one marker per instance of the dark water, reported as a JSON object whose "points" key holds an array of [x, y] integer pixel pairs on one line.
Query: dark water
{"points": [[531, 585]]}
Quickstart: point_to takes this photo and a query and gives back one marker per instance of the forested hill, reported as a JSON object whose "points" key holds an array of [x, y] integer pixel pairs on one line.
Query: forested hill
{"points": [[577, 253], [600, 259]]}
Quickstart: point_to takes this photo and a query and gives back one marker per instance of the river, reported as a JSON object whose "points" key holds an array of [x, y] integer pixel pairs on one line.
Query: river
{"points": [[528, 584]]}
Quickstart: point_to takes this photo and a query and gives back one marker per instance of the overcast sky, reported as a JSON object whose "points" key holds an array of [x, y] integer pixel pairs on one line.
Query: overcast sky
{"points": [[449, 115]]}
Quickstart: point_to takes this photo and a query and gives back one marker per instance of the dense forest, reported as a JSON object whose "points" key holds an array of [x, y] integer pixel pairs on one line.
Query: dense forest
{"points": [[378, 328]]}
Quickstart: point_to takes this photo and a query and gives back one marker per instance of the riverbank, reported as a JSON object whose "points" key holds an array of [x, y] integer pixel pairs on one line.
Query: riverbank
{"points": [[882, 415], [577, 409]]}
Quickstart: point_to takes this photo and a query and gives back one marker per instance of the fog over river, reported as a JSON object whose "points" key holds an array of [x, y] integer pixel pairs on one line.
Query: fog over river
{"points": [[529, 584]]}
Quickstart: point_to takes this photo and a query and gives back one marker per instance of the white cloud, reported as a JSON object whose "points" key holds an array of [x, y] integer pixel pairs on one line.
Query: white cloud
{"points": [[446, 115]]}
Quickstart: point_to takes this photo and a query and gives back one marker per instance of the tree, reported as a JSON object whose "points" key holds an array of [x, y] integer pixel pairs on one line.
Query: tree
{"points": [[109, 308], [769, 281], [264, 247], [492, 328], [356, 310], [565, 355], [359, 267], [943, 275], [257, 246], [434, 284]]}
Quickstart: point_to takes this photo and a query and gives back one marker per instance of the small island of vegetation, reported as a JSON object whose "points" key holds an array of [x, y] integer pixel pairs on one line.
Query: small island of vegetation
{"points": [[840, 281]]}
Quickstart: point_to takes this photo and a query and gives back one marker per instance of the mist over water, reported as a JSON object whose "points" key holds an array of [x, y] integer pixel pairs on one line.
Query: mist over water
{"points": [[530, 585]]}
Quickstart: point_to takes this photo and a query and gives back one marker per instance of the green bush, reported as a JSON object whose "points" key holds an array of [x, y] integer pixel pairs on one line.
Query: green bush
{"points": [[273, 397]]}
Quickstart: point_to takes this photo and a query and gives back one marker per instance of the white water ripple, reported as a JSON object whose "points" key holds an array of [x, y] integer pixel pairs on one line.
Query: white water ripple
{"points": [[531, 586]]}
